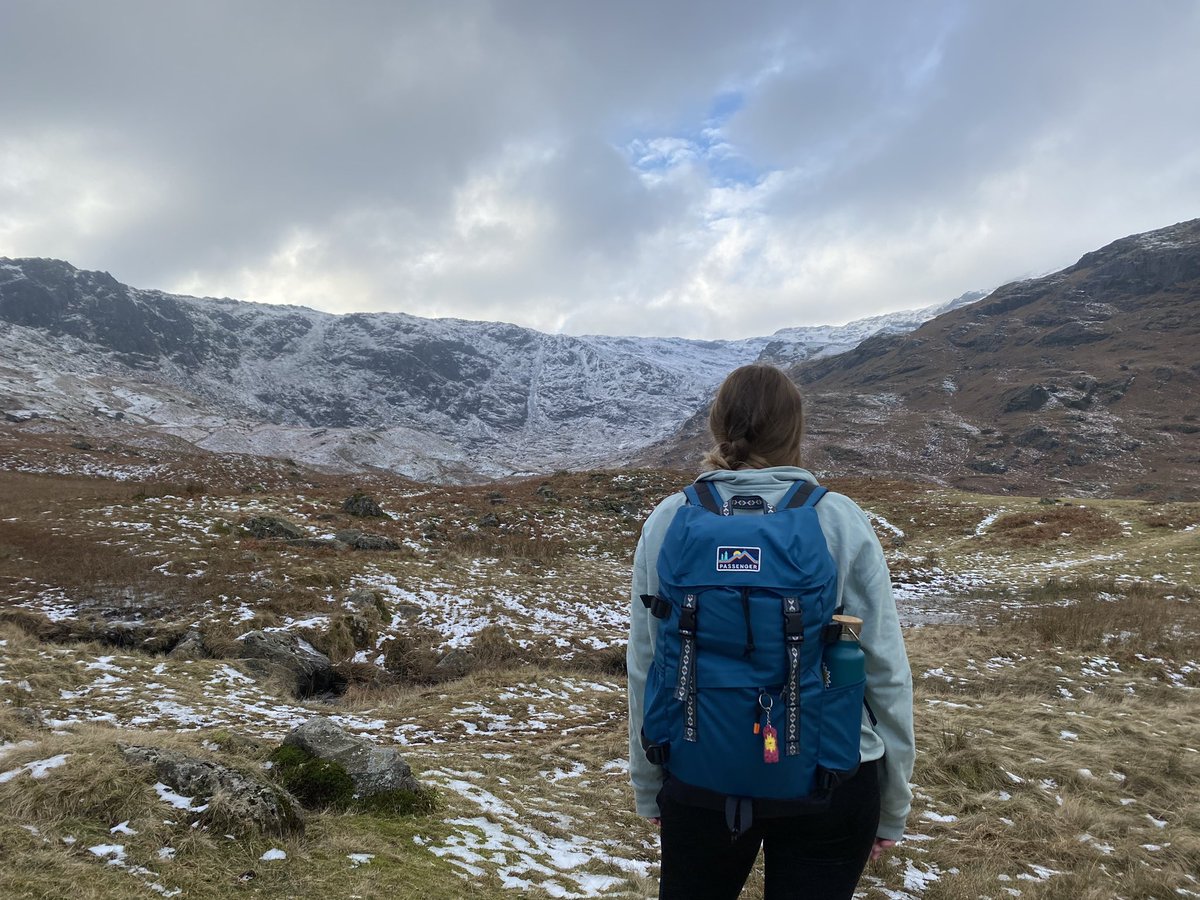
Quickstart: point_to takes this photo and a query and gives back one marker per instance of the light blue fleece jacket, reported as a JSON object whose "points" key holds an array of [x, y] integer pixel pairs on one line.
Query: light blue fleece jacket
{"points": [[864, 588]]}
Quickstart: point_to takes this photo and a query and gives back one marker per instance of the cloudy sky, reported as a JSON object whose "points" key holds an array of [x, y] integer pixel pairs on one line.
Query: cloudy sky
{"points": [[685, 168]]}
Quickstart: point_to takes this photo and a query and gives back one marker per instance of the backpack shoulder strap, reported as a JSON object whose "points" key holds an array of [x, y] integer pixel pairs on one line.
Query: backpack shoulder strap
{"points": [[701, 493], [803, 493]]}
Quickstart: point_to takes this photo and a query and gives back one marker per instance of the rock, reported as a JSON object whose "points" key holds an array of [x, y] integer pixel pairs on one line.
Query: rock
{"points": [[496, 498], [987, 466], [309, 670], [233, 798], [456, 663], [366, 603], [81, 444], [361, 505], [491, 520], [546, 492], [1073, 334], [1027, 399], [374, 770], [362, 631], [190, 646], [361, 540], [1039, 438], [272, 527]]}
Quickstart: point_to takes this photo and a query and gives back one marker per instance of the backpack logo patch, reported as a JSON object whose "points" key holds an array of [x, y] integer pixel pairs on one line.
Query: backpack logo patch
{"points": [[738, 559]]}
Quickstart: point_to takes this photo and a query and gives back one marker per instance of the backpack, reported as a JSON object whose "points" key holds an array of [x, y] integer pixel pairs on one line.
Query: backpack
{"points": [[738, 707]]}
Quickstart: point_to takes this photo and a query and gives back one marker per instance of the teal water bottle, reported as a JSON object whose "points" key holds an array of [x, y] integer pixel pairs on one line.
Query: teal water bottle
{"points": [[845, 662]]}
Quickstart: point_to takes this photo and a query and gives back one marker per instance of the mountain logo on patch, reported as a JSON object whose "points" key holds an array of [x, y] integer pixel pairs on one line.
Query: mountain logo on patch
{"points": [[739, 559]]}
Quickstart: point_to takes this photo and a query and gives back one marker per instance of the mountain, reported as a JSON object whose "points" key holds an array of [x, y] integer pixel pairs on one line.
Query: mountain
{"points": [[429, 398], [1084, 381]]}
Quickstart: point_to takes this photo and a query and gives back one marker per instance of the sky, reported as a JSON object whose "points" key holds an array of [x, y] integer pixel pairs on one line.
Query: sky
{"points": [[677, 167]]}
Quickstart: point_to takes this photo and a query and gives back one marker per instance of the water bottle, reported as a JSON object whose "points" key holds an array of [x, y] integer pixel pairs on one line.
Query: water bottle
{"points": [[845, 662]]}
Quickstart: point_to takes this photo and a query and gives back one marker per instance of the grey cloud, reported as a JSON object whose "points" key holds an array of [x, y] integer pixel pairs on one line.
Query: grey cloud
{"points": [[324, 152]]}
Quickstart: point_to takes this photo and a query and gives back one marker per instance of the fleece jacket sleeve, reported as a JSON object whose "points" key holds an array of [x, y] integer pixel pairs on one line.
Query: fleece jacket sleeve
{"points": [[868, 594], [646, 777]]}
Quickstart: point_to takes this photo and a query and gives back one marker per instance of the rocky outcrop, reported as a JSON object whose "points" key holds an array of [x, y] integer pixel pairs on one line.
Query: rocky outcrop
{"points": [[456, 663], [306, 669], [362, 540], [374, 771], [222, 795], [272, 527], [190, 646], [362, 506]]}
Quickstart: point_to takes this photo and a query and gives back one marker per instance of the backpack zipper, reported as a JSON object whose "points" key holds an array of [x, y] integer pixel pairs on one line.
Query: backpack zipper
{"points": [[749, 629]]}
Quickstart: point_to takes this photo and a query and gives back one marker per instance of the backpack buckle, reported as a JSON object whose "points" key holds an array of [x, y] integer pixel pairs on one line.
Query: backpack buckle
{"points": [[660, 607], [793, 627], [687, 621]]}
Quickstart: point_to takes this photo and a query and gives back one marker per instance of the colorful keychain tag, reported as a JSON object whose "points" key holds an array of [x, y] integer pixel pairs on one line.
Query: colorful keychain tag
{"points": [[770, 745], [770, 740]]}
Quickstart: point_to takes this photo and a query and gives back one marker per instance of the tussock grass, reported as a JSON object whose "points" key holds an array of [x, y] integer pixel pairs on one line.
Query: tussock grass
{"points": [[1093, 670], [1036, 528]]}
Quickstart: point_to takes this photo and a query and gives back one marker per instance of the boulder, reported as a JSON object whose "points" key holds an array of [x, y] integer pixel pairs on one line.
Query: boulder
{"points": [[271, 652], [374, 770], [361, 505], [491, 520], [361, 540], [1027, 399], [231, 798], [456, 663], [366, 603], [272, 527], [190, 646]]}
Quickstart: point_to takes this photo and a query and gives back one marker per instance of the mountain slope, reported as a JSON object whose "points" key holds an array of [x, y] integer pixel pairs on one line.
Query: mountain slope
{"points": [[430, 398], [1085, 378]]}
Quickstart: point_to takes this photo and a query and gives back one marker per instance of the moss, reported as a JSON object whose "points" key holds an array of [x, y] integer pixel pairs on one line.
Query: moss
{"points": [[322, 784], [316, 783]]}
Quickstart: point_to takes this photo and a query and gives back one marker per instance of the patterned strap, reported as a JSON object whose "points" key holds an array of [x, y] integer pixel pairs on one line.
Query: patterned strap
{"points": [[793, 638], [685, 683]]}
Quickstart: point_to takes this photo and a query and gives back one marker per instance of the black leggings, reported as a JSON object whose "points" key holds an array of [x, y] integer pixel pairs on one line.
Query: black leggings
{"points": [[819, 856]]}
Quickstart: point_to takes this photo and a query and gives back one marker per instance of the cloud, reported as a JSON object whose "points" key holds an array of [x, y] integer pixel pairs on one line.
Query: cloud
{"points": [[666, 168]]}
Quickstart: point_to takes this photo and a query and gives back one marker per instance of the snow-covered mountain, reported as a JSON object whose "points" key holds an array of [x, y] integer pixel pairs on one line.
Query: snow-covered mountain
{"points": [[430, 398]]}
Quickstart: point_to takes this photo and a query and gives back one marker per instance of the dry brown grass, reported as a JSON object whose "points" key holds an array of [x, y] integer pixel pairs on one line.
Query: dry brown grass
{"points": [[1035, 528]]}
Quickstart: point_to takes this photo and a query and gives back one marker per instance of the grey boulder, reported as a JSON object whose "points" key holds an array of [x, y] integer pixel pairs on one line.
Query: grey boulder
{"points": [[272, 652], [373, 769], [230, 798]]}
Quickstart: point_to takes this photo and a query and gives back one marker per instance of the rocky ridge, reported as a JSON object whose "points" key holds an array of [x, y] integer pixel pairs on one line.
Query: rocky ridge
{"points": [[1082, 381], [429, 398]]}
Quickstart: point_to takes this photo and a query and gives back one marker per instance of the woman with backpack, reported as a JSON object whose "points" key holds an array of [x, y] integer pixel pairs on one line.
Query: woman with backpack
{"points": [[740, 733]]}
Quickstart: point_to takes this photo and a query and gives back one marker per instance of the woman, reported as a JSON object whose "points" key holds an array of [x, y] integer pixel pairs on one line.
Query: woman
{"points": [[757, 422]]}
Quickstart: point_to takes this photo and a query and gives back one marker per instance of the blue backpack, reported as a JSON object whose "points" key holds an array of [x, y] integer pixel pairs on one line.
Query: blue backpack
{"points": [[738, 706]]}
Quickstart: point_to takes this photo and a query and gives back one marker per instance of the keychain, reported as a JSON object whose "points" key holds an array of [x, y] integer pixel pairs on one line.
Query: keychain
{"points": [[770, 739]]}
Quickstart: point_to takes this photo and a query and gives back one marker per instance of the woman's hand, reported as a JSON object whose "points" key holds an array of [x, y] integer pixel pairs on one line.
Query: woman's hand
{"points": [[880, 845], [654, 820]]}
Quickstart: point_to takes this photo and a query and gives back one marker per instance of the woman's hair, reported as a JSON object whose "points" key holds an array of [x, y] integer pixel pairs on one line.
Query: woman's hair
{"points": [[757, 420]]}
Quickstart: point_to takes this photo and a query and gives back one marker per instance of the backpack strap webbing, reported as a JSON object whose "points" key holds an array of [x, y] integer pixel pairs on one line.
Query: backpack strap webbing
{"points": [[685, 682], [793, 622], [701, 493], [803, 493]]}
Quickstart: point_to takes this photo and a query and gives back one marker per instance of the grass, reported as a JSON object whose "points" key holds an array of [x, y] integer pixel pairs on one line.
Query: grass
{"points": [[1078, 653]]}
